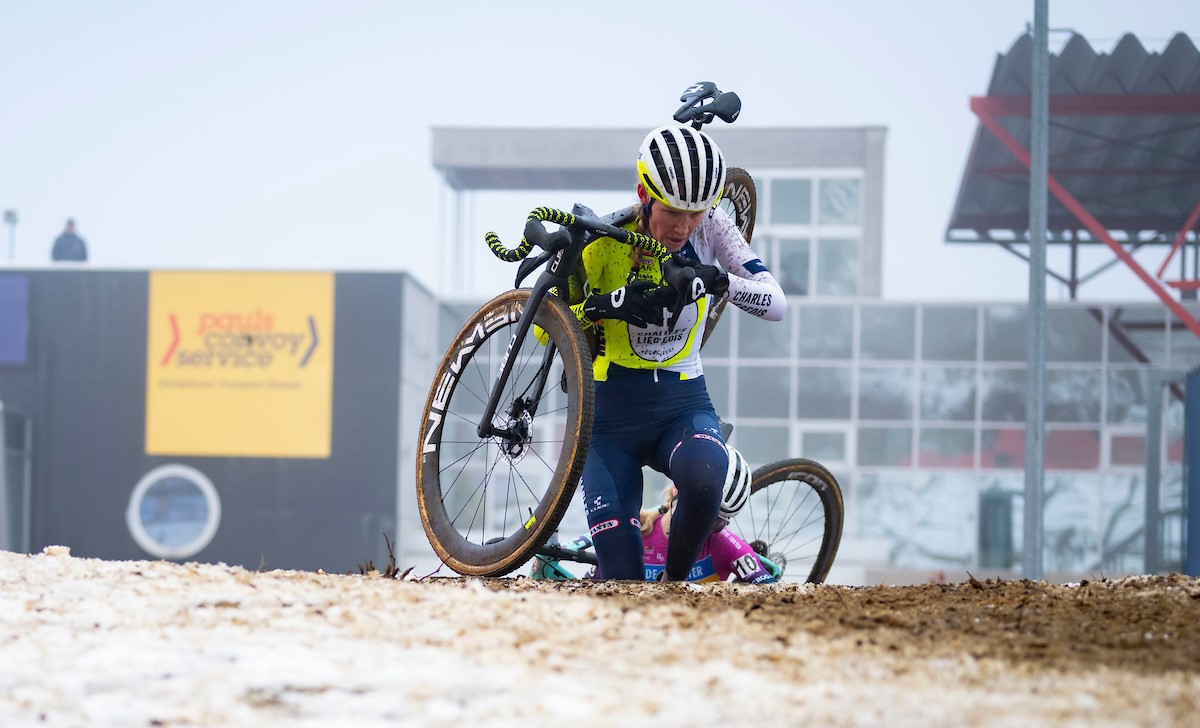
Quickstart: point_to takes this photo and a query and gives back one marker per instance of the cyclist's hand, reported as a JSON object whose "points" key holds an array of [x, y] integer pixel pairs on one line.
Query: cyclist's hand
{"points": [[709, 281], [714, 281], [664, 297], [630, 304]]}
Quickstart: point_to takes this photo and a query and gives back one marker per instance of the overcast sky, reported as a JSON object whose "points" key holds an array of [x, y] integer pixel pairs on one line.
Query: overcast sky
{"points": [[296, 134]]}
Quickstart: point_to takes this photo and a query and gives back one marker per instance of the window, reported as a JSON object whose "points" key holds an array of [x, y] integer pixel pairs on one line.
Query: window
{"points": [[1073, 395], [885, 393], [948, 334], [1004, 333], [791, 202], [885, 446], [887, 332], [840, 202], [825, 332], [760, 338], [1127, 402], [823, 446], [944, 529], [947, 393], [890, 513], [763, 392], [1136, 331], [1002, 448], [946, 448], [173, 512], [837, 267], [792, 272], [1072, 449], [1073, 335], [761, 445], [1003, 395], [823, 393], [1128, 450]]}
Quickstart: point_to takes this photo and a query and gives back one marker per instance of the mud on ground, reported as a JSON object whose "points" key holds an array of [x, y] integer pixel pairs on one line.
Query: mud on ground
{"points": [[1141, 624], [91, 642]]}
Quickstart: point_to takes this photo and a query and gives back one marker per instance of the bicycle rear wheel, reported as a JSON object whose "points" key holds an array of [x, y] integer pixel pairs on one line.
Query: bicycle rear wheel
{"points": [[794, 517], [740, 200], [487, 503]]}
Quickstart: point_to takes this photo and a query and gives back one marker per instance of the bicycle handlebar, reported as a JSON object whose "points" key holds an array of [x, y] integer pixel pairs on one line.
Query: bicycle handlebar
{"points": [[676, 272], [574, 223]]}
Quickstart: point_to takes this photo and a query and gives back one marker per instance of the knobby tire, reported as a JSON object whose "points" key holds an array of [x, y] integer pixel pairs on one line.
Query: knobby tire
{"points": [[795, 511], [486, 503]]}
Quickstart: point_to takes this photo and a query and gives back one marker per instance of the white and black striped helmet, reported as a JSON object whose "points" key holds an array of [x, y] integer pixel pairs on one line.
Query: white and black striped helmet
{"points": [[681, 168], [737, 485]]}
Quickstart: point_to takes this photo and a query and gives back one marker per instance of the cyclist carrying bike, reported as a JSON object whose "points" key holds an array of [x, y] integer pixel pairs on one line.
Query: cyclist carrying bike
{"points": [[652, 406]]}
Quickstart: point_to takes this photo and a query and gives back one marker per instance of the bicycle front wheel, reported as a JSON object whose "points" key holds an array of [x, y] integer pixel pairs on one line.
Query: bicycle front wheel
{"points": [[487, 503], [794, 517]]}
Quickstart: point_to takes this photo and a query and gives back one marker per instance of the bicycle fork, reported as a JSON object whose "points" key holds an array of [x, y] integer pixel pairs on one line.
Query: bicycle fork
{"points": [[521, 405]]}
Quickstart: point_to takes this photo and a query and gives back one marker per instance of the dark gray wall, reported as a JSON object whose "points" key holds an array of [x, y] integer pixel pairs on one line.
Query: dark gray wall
{"points": [[84, 386]]}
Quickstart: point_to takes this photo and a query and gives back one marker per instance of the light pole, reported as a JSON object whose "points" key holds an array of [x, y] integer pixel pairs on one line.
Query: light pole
{"points": [[10, 219]]}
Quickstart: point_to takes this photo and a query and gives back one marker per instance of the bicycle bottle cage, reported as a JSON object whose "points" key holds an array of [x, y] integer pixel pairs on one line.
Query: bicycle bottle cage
{"points": [[702, 101]]}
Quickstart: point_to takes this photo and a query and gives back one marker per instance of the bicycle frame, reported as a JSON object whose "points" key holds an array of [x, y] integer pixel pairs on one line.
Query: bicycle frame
{"points": [[563, 257], [562, 264]]}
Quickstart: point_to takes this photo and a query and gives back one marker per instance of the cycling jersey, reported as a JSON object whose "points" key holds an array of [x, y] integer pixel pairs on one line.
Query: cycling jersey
{"points": [[724, 553], [608, 265]]}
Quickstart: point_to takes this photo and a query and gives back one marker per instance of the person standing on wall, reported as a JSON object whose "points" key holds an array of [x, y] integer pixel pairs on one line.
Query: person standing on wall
{"points": [[69, 246]]}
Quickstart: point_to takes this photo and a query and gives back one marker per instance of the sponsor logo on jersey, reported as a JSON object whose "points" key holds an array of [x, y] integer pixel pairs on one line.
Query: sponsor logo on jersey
{"points": [[656, 343], [751, 299], [755, 266]]}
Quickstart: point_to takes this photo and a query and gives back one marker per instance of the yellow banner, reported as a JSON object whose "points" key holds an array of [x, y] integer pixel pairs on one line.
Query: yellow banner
{"points": [[240, 364]]}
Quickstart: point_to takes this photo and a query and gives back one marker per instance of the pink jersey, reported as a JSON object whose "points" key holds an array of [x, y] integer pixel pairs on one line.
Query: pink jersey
{"points": [[724, 553]]}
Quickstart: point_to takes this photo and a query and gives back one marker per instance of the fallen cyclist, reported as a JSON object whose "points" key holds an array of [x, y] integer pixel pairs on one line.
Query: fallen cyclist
{"points": [[724, 553]]}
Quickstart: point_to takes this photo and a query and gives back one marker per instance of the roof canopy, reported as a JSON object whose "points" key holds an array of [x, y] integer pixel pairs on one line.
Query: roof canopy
{"points": [[1124, 142], [603, 159]]}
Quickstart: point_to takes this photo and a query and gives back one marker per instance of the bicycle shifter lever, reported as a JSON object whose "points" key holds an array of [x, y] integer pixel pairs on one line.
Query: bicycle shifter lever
{"points": [[682, 284]]}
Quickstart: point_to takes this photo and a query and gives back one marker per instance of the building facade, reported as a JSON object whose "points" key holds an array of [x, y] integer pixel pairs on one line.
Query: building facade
{"points": [[917, 408]]}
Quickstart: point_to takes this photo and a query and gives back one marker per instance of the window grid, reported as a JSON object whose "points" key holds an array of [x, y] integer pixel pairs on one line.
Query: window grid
{"points": [[795, 364], [772, 234]]}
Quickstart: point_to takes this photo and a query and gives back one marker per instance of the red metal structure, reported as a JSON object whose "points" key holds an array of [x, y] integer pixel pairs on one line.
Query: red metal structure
{"points": [[1124, 159]]}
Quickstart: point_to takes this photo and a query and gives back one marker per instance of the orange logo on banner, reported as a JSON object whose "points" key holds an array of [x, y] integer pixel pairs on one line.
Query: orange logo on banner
{"points": [[240, 364]]}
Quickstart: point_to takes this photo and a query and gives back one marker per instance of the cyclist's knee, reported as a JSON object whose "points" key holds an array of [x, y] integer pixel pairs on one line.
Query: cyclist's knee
{"points": [[698, 465]]}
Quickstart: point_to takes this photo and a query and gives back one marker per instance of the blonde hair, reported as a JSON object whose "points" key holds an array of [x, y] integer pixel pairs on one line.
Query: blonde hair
{"points": [[650, 517]]}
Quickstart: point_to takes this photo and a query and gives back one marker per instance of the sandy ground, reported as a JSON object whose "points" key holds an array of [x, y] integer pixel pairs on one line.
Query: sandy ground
{"points": [[89, 643]]}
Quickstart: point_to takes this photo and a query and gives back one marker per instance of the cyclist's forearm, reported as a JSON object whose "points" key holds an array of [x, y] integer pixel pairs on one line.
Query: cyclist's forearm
{"points": [[762, 297]]}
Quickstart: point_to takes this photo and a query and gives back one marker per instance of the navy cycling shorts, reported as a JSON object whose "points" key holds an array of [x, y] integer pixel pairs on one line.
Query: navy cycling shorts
{"points": [[639, 422]]}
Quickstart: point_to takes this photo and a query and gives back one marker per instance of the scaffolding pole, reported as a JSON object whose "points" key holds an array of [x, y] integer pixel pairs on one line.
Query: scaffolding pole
{"points": [[1035, 413]]}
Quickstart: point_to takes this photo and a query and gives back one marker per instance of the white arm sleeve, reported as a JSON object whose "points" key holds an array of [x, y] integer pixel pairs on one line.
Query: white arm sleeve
{"points": [[752, 288]]}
